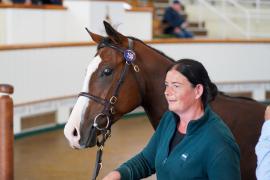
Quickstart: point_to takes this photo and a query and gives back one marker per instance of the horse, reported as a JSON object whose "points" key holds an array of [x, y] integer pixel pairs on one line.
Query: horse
{"points": [[126, 73]]}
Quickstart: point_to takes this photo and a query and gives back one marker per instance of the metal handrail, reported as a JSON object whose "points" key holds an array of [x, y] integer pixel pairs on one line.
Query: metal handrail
{"points": [[227, 18], [222, 16]]}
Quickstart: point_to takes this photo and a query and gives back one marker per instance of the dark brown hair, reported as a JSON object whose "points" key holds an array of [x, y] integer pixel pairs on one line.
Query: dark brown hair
{"points": [[196, 74]]}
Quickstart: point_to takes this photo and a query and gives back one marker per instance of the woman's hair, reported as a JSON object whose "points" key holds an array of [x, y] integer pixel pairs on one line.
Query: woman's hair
{"points": [[195, 72]]}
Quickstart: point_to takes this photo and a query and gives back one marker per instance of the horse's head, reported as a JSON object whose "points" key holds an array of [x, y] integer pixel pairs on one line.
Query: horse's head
{"points": [[110, 89]]}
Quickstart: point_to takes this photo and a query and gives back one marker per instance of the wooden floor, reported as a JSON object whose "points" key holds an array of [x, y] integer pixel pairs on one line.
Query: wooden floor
{"points": [[48, 156]]}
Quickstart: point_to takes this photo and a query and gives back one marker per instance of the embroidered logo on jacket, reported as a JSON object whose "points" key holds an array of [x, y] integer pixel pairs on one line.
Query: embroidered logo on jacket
{"points": [[184, 156]]}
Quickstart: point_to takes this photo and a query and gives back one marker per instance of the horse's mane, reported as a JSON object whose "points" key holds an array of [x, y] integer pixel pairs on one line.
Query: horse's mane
{"points": [[158, 51], [107, 40], [235, 97]]}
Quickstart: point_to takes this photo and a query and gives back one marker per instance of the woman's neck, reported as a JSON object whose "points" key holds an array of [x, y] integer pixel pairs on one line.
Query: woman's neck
{"points": [[193, 113]]}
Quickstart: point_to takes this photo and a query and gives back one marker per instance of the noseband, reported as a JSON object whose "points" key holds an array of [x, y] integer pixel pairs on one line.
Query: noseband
{"points": [[109, 110]]}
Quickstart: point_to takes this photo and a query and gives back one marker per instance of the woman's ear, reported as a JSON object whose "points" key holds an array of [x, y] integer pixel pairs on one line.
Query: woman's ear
{"points": [[198, 91]]}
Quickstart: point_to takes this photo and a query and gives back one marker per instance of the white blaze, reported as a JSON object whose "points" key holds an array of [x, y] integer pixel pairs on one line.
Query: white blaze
{"points": [[78, 110]]}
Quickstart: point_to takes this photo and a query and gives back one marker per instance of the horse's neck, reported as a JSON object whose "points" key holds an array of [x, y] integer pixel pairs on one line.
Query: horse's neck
{"points": [[154, 108], [154, 102]]}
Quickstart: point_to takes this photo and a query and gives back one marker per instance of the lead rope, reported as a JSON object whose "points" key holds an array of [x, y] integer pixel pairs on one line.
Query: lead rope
{"points": [[100, 144]]}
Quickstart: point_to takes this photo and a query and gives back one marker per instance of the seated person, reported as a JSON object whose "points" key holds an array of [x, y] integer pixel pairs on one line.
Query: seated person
{"points": [[55, 2], [19, 1], [175, 23]]}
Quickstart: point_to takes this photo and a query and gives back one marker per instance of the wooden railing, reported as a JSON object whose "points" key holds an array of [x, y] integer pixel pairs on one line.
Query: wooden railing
{"points": [[6, 133], [154, 41], [140, 3]]}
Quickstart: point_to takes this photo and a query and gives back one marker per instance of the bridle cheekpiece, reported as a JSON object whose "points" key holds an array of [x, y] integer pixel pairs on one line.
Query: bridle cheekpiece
{"points": [[109, 110]]}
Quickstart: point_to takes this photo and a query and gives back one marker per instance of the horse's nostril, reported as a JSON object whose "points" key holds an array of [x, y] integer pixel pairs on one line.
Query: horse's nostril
{"points": [[75, 133]]}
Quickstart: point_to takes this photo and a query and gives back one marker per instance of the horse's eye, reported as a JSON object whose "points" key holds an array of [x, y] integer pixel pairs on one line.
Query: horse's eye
{"points": [[107, 71]]}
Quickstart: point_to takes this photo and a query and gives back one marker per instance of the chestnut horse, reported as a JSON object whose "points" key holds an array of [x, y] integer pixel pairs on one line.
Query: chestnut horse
{"points": [[117, 83]]}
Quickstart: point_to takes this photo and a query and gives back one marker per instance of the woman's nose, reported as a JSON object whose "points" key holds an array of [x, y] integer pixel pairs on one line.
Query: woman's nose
{"points": [[168, 91]]}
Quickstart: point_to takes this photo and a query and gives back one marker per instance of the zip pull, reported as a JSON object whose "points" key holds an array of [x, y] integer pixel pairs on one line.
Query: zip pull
{"points": [[164, 161]]}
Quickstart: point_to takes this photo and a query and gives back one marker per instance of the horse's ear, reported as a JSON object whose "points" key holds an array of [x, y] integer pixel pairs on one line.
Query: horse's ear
{"points": [[97, 38], [114, 35]]}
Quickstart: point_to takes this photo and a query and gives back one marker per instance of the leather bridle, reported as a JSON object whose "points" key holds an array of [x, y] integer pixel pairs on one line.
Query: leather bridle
{"points": [[109, 110]]}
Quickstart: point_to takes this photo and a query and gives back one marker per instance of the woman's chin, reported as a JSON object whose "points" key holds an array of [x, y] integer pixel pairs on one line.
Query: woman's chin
{"points": [[172, 108]]}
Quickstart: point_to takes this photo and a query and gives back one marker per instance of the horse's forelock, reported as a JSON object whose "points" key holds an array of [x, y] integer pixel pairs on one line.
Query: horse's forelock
{"points": [[105, 41]]}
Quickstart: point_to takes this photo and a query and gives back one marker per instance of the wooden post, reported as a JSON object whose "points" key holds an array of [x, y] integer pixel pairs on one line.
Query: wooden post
{"points": [[6, 133]]}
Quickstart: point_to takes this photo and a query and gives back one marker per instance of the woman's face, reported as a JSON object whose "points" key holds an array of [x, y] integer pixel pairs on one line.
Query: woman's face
{"points": [[179, 92]]}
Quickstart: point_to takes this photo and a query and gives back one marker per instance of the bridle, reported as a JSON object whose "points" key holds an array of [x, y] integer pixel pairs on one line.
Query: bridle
{"points": [[109, 110]]}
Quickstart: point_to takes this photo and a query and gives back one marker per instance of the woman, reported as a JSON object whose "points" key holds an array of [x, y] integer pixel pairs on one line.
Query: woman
{"points": [[191, 141]]}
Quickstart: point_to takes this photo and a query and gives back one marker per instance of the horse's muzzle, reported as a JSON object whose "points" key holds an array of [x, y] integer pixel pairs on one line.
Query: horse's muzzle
{"points": [[89, 138]]}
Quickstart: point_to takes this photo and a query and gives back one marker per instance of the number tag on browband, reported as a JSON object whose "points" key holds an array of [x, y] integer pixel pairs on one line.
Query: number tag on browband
{"points": [[129, 56]]}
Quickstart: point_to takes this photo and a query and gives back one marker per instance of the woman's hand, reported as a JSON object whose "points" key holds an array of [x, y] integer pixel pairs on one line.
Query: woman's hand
{"points": [[267, 113], [114, 175]]}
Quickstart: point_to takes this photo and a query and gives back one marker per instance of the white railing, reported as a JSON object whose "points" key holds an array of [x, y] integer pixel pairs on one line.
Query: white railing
{"points": [[224, 17], [234, 17], [255, 3]]}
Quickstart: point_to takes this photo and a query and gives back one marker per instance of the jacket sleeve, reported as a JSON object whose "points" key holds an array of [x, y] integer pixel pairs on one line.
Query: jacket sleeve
{"points": [[172, 19], [143, 164], [263, 153], [225, 165]]}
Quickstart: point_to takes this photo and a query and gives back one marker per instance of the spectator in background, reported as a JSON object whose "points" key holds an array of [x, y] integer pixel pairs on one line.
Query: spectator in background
{"points": [[55, 2], [175, 22], [19, 1], [263, 149]]}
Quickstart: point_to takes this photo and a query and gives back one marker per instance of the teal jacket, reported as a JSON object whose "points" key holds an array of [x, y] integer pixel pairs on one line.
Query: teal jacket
{"points": [[208, 151]]}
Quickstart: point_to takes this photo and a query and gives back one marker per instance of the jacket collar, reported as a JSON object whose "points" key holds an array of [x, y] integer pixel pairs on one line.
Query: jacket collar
{"points": [[194, 125]]}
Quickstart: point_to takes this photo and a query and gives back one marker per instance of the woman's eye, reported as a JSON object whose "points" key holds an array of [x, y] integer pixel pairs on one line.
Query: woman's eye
{"points": [[107, 71]]}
